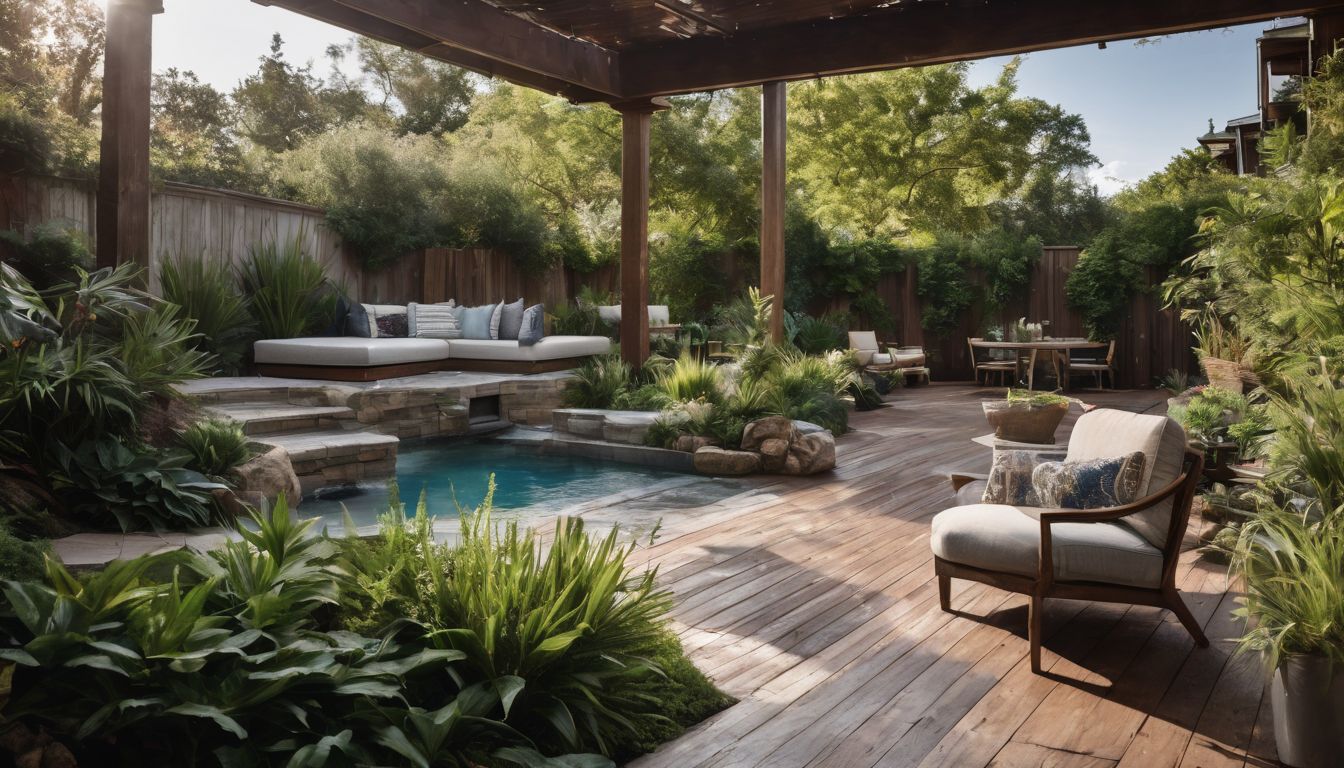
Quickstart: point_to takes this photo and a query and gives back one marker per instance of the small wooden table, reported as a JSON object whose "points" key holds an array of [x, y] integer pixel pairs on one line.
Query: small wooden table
{"points": [[1057, 349]]}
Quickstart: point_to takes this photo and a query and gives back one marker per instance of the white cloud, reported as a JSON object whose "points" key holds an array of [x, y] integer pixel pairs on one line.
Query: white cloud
{"points": [[1110, 177]]}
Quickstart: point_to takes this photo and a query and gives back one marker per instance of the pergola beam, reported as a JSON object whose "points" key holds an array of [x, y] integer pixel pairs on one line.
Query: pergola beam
{"points": [[123, 172], [478, 36], [774, 137], [920, 34]]}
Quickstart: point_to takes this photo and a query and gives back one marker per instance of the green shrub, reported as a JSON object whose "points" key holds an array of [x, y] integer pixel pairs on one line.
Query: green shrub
{"points": [[104, 478], [578, 319], [598, 383], [812, 389], [816, 335], [206, 291], [290, 293], [649, 397], [50, 257], [689, 379], [685, 268], [216, 446], [20, 559], [157, 351]]}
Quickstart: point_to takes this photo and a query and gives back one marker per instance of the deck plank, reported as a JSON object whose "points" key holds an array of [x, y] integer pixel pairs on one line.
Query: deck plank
{"points": [[813, 601]]}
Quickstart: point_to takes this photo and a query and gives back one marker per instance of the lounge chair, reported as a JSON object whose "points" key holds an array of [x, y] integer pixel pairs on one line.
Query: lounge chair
{"points": [[1122, 554]]}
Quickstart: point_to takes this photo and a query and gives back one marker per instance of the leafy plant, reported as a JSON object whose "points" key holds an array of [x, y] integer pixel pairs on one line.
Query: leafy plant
{"points": [[291, 295], [1294, 590], [103, 477], [216, 446], [598, 383], [1174, 381], [1035, 399], [49, 257], [206, 291], [157, 351], [817, 335], [691, 379]]}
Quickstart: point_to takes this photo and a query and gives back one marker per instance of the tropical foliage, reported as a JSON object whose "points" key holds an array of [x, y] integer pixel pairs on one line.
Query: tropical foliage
{"points": [[294, 649]]}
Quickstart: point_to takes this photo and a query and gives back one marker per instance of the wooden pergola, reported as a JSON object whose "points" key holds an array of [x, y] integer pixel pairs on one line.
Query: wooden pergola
{"points": [[631, 54]]}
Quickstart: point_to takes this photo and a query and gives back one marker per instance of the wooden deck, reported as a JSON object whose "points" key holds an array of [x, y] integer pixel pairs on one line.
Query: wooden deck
{"points": [[814, 602]]}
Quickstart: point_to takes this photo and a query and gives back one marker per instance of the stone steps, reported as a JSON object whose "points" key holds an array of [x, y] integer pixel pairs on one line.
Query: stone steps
{"points": [[260, 419], [338, 457]]}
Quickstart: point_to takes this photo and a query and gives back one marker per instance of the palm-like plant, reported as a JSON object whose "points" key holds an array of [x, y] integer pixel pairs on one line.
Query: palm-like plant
{"points": [[206, 291], [290, 293], [691, 379]]}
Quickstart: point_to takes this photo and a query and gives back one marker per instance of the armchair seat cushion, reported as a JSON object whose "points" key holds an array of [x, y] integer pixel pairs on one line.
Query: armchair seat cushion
{"points": [[1000, 537]]}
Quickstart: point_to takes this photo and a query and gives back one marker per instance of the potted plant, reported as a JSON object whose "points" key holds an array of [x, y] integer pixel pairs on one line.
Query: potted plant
{"points": [[1222, 354], [1293, 573], [1026, 417]]}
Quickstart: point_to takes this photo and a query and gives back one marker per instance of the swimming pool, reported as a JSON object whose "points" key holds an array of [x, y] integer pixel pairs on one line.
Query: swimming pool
{"points": [[528, 482]]}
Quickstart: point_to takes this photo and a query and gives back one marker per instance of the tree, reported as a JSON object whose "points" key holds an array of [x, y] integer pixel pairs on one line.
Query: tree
{"points": [[918, 149], [425, 95], [282, 104], [193, 137]]}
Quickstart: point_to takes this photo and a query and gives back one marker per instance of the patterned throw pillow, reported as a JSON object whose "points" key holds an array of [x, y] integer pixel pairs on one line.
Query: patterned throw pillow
{"points": [[387, 321], [1010, 477], [434, 321], [533, 326], [510, 319], [1090, 484]]}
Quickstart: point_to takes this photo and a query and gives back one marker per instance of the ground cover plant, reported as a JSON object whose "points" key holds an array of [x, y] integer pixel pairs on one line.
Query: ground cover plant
{"points": [[290, 648]]}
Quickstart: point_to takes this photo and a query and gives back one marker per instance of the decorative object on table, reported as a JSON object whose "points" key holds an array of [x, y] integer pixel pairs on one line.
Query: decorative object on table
{"points": [[1025, 332], [1122, 554], [1026, 417]]}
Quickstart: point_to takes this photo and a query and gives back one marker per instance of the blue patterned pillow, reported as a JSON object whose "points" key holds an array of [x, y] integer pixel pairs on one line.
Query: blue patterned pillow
{"points": [[1089, 484], [1010, 477]]}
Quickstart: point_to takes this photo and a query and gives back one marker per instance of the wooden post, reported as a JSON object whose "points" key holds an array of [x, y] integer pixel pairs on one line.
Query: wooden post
{"points": [[635, 119], [774, 113], [1327, 30], [123, 177]]}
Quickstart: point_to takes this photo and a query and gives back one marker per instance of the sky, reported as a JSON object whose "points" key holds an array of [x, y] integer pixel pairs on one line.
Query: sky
{"points": [[1142, 102]]}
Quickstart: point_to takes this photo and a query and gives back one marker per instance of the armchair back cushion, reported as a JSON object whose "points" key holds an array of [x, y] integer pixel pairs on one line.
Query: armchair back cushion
{"points": [[1106, 433], [864, 341]]}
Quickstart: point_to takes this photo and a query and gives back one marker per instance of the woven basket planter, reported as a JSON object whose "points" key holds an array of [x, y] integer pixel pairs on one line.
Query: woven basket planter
{"points": [[1224, 374], [1024, 422]]}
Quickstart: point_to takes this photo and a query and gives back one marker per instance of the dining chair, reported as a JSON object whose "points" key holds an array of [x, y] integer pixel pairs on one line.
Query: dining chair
{"points": [[1097, 368], [989, 367]]}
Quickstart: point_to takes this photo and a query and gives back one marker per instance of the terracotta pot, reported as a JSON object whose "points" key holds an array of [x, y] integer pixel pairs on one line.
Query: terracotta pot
{"points": [[1308, 698], [1224, 374], [1024, 422]]}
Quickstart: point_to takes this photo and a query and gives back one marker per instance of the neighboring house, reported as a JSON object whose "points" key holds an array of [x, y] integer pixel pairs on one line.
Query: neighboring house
{"points": [[1284, 54]]}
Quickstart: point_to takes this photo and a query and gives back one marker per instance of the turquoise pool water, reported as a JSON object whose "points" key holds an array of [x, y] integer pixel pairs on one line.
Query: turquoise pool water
{"points": [[525, 478]]}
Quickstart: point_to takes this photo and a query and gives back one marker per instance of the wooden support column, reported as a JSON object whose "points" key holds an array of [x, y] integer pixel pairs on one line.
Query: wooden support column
{"points": [[635, 120], [774, 114], [123, 177], [1327, 32]]}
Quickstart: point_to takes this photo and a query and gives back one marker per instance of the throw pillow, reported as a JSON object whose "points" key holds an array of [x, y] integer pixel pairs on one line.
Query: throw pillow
{"points": [[495, 317], [392, 325], [475, 321], [1090, 484], [510, 319], [357, 322], [533, 326], [434, 321], [1010, 477]]}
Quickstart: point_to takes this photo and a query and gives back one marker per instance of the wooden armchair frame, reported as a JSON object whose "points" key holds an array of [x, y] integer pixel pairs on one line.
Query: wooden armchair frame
{"points": [[1043, 584]]}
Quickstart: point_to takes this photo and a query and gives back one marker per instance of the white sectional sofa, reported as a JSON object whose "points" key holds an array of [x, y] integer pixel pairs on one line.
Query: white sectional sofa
{"points": [[351, 358]]}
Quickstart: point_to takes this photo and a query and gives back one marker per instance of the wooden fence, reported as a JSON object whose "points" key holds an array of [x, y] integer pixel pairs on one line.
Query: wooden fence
{"points": [[216, 224], [187, 220], [1150, 342]]}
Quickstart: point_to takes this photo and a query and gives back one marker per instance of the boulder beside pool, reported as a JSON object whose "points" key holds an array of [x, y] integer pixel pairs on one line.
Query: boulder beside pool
{"points": [[717, 461], [774, 444], [266, 476]]}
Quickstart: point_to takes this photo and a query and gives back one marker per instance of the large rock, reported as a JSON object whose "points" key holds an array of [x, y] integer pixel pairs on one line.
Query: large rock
{"points": [[691, 443], [769, 428], [774, 453], [267, 476], [810, 454], [716, 461]]}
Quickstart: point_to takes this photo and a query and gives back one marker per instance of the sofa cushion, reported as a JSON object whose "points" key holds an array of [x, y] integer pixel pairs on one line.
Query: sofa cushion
{"points": [[510, 319], [348, 351], [1009, 479], [1107, 432], [660, 314], [434, 321], [610, 313], [496, 317], [476, 321], [1000, 537], [533, 326], [548, 348]]}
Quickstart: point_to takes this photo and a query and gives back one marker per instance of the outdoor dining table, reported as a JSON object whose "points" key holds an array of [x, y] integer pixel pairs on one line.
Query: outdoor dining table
{"points": [[1056, 348]]}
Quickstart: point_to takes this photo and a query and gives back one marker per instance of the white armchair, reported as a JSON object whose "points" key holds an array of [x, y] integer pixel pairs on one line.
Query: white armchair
{"points": [[1124, 554]]}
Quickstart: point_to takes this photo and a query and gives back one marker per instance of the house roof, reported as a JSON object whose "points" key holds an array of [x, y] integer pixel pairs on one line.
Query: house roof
{"points": [[623, 51]]}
